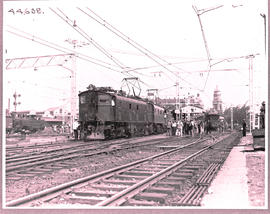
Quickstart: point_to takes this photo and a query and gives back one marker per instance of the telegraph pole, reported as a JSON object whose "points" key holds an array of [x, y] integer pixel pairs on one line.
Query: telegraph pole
{"points": [[231, 118], [73, 96], [251, 103], [177, 103]]}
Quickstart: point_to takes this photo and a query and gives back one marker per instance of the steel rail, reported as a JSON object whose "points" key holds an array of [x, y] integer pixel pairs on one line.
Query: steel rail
{"points": [[65, 186], [128, 193], [30, 162]]}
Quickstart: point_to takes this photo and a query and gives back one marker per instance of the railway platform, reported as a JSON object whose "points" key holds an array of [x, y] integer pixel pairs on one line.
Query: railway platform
{"points": [[240, 184]]}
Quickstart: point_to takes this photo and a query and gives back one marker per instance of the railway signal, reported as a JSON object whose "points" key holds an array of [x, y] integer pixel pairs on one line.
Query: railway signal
{"points": [[45, 61], [15, 103]]}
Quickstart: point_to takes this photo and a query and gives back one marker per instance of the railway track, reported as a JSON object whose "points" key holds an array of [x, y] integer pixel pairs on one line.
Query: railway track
{"points": [[45, 162], [145, 182], [37, 147], [47, 146]]}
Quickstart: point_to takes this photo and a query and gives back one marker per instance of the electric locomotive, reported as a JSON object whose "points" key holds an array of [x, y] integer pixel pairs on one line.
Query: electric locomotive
{"points": [[105, 114]]}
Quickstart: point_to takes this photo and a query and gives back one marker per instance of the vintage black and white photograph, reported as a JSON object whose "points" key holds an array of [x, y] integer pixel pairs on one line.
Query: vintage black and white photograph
{"points": [[135, 104]]}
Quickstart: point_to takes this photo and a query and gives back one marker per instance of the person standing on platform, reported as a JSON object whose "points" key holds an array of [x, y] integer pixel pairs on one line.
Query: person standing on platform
{"points": [[169, 128], [192, 127], [75, 127], [180, 128], [174, 127], [208, 127], [244, 125]]}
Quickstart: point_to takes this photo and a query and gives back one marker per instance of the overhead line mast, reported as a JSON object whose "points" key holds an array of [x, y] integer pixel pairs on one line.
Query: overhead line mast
{"points": [[51, 61], [66, 51]]}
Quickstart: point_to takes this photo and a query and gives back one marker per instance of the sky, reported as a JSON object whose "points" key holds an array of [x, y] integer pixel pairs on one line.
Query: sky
{"points": [[169, 49]]}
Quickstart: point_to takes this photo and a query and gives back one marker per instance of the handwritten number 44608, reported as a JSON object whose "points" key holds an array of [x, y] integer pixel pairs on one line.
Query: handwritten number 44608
{"points": [[26, 11]]}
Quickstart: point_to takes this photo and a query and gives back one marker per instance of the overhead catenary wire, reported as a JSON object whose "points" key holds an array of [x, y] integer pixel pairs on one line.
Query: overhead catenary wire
{"points": [[90, 39], [70, 22], [34, 37], [229, 59], [53, 46], [149, 54], [125, 37], [64, 50]]}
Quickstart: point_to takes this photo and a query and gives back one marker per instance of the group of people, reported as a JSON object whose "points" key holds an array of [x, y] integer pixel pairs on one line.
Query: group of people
{"points": [[185, 127]]}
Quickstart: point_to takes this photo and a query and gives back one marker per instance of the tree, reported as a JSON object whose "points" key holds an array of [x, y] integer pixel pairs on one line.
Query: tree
{"points": [[239, 114]]}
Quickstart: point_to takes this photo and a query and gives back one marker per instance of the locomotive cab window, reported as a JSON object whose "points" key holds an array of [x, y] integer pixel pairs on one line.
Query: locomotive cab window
{"points": [[113, 102], [82, 99]]}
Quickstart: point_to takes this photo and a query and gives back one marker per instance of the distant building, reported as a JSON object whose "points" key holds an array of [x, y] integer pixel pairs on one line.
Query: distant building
{"points": [[191, 111], [190, 100], [21, 114], [217, 102], [191, 106], [56, 114]]}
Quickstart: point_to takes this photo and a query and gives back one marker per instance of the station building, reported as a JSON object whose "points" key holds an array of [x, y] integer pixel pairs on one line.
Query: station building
{"points": [[184, 108]]}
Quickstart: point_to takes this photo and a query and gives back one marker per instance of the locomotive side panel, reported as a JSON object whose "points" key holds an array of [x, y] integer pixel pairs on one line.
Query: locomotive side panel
{"points": [[158, 115], [130, 111], [122, 112], [150, 113], [141, 110], [105, 111]]}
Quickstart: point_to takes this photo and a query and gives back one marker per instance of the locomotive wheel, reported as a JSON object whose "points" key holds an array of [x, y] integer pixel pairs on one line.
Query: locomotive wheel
{"points": [[107, 134], [83, 135]]}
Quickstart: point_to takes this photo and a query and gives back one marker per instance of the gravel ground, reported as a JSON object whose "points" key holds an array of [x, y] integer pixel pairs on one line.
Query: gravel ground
{"points": [[88, 166], [255, 163], [84, 167], [256, 178]]}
